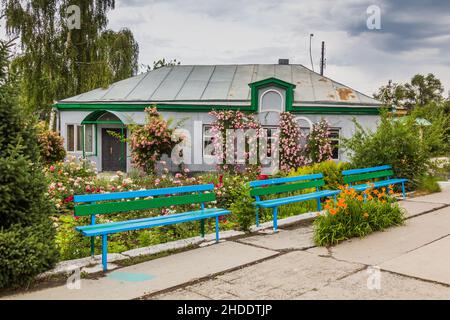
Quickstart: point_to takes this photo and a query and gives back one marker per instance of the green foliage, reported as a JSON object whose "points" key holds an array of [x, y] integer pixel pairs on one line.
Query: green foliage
{"points": [[420, 91], [26, 231], [51, 145], [57, 62], [396, 143], [352, 217], [243, 207], [428, 184], [437, 135], [331, 170]]}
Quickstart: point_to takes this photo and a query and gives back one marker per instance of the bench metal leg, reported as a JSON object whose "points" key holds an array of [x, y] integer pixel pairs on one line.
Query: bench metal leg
{"points": [[257, 216], [202, 228], [92, 246], [403, 190], [217, 229], [275, 219], [105, 252], [319, 207]]}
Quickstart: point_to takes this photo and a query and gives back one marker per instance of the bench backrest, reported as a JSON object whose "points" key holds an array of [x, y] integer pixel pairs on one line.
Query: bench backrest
{"points": [[164, 197], [365, 174], [289, 184]]}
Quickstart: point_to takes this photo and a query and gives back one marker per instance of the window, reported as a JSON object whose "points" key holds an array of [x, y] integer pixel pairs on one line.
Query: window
{"points": [[334, 137], [208, 140], [75, 136], [88, 138], [70, 137], [271, 100], [79, 138], [270, 138]]}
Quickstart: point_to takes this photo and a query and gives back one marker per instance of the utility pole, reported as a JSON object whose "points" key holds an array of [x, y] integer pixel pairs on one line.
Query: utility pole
{"points": [[322, 59], [310, 53]]}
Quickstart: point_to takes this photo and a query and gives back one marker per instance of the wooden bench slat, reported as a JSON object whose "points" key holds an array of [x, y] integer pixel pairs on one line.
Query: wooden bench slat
{"points": [[124, 206], [141, 193], [155, 218], [258, 183], [301, 197], [377, 184], [367, 176], [286, 188], [151, 224], [365, 170]]}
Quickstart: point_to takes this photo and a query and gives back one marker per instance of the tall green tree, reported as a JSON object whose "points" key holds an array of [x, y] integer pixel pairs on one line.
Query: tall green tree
{"points": [[27, 245], [57, 60], [420, 91]]}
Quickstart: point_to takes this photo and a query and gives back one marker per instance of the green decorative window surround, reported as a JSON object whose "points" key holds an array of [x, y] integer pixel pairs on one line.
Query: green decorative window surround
{"points": [[256, 86]]}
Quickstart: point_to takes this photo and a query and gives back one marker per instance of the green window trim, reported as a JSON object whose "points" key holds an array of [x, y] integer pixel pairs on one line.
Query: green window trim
{"points": [[256, 86]]}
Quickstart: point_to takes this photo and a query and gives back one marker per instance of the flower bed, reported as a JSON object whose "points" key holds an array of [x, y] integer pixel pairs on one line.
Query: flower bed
{"points": [[356, 215]]}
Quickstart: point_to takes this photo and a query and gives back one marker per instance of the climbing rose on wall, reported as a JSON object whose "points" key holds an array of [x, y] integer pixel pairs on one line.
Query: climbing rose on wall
{"points": [[150, 141], [319, 143], [236, 120], [292, 153]]}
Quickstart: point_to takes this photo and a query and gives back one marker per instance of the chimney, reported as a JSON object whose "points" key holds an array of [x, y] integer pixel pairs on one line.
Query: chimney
{"points": [[283, 61]]}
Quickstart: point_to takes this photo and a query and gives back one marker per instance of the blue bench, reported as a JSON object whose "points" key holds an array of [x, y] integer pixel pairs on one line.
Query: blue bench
{"points": [[111, 203], [284, 185], [363, 176]]}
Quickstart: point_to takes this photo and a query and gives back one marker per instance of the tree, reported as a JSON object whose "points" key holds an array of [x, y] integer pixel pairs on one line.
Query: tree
{"points": [[58, 61], [424, 89], [419, 92], [27, 245]]}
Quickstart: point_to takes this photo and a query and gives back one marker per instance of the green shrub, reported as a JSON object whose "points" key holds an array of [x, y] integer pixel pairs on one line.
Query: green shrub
{"points": [[396, 143], [351, 216], [331, 170], [51, 145], [243, 207], [26, 231], [428, 184]]}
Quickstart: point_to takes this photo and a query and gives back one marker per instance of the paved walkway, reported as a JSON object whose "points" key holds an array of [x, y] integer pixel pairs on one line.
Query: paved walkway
{"points": [[407, 262]]}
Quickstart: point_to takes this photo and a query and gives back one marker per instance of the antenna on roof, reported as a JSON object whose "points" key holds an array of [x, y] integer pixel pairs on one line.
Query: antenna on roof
{"points": [[322, 59], [310, 54]]}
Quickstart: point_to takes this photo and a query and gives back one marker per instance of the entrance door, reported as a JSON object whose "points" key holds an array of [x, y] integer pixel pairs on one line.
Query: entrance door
{"points": [[113, 151]]}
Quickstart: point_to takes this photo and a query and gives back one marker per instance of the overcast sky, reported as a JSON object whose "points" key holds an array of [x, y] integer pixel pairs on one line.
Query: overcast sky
{"points": [[414, 35]]}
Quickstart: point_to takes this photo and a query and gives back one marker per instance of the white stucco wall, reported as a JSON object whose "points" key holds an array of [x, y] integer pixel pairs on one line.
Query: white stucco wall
{"points": [[343, 122]]}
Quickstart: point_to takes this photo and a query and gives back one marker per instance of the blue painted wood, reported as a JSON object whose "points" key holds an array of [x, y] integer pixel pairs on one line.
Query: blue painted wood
{"points": [[217, 228], [377, 184], [141, 193], [275, 218], [107, 229], [365, 170], [258, 183], [298, 198], [121, 223], [105, 252]]}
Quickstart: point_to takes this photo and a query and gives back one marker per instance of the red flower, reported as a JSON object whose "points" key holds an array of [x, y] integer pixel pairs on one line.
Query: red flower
{"points": [[263, 177], [223, 219], [220, 184], [68, 199]]}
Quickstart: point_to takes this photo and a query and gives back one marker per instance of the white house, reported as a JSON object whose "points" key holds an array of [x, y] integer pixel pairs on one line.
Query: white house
{"points": [[191, 91]]}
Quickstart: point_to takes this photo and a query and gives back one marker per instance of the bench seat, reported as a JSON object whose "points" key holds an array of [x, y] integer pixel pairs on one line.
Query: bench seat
{"points": [[271, 203], [137, 224], [378, 184], [361, 179]]}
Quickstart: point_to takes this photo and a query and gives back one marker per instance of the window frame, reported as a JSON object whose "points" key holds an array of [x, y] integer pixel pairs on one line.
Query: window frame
{"points": [[82, 137]]}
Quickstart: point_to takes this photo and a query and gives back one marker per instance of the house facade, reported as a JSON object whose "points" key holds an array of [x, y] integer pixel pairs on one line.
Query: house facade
{"points": [[190, 92]]}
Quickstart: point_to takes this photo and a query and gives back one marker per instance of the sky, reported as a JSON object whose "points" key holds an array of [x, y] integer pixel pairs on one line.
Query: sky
{"points": [[414, 35]]}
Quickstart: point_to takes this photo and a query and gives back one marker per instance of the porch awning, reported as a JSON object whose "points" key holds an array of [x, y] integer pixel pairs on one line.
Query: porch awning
{"points": [[114, 117]]}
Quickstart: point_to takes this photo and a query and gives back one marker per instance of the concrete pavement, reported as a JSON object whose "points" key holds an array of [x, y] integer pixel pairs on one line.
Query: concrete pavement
{"points": [[406, 262]]}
